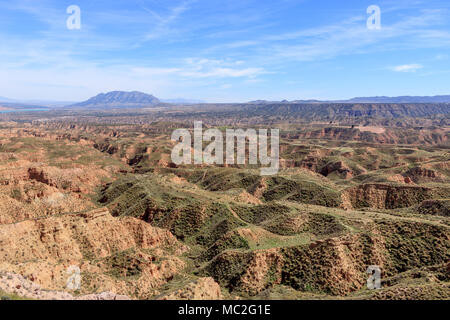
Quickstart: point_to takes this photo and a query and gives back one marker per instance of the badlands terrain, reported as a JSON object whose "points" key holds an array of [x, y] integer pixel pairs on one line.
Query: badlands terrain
{"points": [[359, 185]]}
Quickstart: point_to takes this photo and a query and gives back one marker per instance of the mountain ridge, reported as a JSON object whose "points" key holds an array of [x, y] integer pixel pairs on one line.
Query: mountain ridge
{"points": [[120, 99], [403, 99], [375, 99]]}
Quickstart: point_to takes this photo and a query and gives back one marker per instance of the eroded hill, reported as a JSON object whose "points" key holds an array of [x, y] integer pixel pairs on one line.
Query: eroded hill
{"points": [[108, 199]]}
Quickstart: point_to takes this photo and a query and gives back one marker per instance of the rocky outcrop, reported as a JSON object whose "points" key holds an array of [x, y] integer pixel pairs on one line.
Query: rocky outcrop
{"points": [[335, 266], [338, 167], [18, 285], [13, 176], [428, 137], [43, 249], [382, 196], [200, 289], [421, 174], [398, 178], [31, 190], [435, 207], [75, 180], [72, 237], [250, 272]]}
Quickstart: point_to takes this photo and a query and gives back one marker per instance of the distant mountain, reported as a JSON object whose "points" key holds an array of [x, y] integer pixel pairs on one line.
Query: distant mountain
{"points": [[402, 99], [337, 111], [120, 99], [382, 99], [267, 102]]}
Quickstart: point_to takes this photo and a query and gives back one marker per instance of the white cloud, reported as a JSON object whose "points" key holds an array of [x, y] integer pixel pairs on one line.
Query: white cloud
{"points": [[203, 68], [407, 67], [224, 73], [350, 36], [71, 79]]}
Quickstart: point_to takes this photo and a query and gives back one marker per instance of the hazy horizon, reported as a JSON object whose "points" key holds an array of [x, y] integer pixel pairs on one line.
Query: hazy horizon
{"points": [[198, 101]]}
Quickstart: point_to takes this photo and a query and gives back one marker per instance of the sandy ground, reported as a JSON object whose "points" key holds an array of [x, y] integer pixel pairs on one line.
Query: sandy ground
{"points": [[377, 130]]}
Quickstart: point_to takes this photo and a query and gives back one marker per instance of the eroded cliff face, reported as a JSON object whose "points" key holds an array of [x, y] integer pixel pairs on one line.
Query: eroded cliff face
{"points": [[380, 196], [49, 222], [22, 287], [248, 273], [424, 174], [336, 265], [439, 207], [36, 191], [382, 136], [200, 289], [43, 175], [339, 168], [107, 250]]}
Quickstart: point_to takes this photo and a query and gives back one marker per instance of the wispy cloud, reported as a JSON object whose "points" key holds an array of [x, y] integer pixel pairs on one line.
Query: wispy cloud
{"points": [[163, 27], [407, 67], [246, 44], [350, 36], [205, 68], [441, 56]]}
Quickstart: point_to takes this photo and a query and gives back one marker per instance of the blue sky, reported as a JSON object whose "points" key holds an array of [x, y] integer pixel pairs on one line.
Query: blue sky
{"points": [[224, 51]]}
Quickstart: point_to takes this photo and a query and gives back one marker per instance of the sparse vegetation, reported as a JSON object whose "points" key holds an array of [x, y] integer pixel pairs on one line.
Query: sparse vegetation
{"points": [[359, 185]]}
